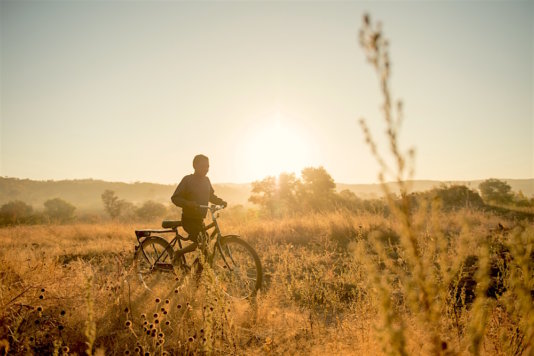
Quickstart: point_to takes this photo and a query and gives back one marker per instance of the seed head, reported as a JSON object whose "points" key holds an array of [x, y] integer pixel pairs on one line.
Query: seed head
{"points": [[366, 19], [60, 327], [39, 308], [156, 315], [62, 313], [158, 300], [65, 349], [126, 310], [41, 296], [167, 301], [128, 323], [190, 339], [42, 290]]}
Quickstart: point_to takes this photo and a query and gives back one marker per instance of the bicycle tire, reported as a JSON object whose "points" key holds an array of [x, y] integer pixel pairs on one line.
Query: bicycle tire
{"points": [[240, 273], [153, 262]]}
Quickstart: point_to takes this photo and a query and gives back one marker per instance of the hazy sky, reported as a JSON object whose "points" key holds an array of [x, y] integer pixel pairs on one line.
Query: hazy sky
{"points": [[131, 91]]}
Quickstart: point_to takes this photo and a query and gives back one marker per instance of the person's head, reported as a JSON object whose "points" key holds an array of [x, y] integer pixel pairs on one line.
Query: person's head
{"points": [[201, 164]]}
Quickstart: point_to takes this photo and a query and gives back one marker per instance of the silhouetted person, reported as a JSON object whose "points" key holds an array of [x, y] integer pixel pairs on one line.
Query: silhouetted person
{"points": [[195, 190]]}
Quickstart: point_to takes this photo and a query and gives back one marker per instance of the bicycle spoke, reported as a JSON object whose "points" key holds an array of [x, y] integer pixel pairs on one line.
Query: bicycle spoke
{"points": [[151, 266], [238, 269]]}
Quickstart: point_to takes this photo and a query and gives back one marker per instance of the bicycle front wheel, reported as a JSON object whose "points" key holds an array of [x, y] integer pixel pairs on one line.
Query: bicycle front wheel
{"points": [[237, 267]]}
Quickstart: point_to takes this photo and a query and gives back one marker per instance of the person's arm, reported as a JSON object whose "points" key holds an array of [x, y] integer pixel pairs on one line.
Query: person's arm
{"points": [[178, 196]]}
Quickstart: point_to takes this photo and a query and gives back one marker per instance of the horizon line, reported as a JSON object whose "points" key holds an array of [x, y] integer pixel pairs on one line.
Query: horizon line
{"points": [[244, 183]]}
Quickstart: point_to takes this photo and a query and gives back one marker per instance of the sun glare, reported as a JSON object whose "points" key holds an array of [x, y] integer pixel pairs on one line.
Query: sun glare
{"points": [[276, 146]]}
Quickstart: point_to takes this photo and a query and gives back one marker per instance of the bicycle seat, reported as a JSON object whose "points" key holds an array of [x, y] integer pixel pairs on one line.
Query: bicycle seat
{"points": [[171, 224]]}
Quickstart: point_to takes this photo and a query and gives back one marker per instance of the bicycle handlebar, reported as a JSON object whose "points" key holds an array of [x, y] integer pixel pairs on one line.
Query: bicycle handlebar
{"points": [[212, 208]]}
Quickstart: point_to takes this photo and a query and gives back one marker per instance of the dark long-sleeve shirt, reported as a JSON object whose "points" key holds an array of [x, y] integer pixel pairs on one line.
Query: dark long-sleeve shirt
{"points": [[193, 191]]}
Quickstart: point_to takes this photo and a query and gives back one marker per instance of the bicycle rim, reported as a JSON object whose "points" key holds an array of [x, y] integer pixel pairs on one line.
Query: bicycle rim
{"points": [[153, 264], [238, 269]]}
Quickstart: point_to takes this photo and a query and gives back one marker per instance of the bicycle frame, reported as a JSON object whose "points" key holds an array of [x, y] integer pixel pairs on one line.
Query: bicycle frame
{"points": [[216, 233]]}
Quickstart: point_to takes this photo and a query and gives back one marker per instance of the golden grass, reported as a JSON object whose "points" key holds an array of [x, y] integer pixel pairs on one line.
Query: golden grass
{"points": [[419, 282], [318, 297]]}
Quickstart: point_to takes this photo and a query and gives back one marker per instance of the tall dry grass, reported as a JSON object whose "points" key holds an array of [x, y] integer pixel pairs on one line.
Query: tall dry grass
{"points": [[71, 286], [422, 281], [426, 280]]}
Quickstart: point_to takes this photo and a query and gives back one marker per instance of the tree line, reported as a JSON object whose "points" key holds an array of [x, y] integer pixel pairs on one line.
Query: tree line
{"points": [[315, 191], [285, 195], [57, 210]]}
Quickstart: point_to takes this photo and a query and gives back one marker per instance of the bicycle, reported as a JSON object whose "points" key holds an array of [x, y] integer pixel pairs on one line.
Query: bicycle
{"points": [[235, 263]]}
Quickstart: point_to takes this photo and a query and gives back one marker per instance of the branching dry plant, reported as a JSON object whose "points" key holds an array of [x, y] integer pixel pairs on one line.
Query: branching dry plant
{"points": [[417, 290]]}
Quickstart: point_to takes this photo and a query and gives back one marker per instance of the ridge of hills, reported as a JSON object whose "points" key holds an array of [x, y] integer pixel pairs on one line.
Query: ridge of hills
{"points": [[85, 194]]}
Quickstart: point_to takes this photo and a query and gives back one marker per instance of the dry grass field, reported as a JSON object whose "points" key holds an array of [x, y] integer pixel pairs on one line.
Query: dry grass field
{"points": [[335, 283], [419, 280]]}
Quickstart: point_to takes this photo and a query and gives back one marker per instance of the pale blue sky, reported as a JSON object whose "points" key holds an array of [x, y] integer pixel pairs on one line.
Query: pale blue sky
{"points": [[131, 91]]}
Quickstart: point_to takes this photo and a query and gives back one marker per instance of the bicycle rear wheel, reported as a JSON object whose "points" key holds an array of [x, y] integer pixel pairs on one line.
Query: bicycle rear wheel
{"points": [[153, 263], [237, 267]]}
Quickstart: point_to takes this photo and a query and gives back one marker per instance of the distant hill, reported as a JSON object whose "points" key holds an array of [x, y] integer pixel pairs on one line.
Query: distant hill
{"points": [[85, 193]]}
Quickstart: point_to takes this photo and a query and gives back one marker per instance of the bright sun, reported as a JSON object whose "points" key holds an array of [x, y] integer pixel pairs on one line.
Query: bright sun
{"points": [[275, 146]]}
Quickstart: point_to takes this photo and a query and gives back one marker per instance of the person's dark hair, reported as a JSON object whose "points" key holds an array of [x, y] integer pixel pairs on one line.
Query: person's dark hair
{"points": [[199, 158]]}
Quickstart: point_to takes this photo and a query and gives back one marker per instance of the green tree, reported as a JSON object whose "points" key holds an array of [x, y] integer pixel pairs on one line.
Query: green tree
{"points": [[286, 201], [317, 189], [58, 210], [112, 203], [276, 196], [348, 200], [150, 210], [284, 195], [264, 193], [15, 212], [457, 196], [496, 191]]}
